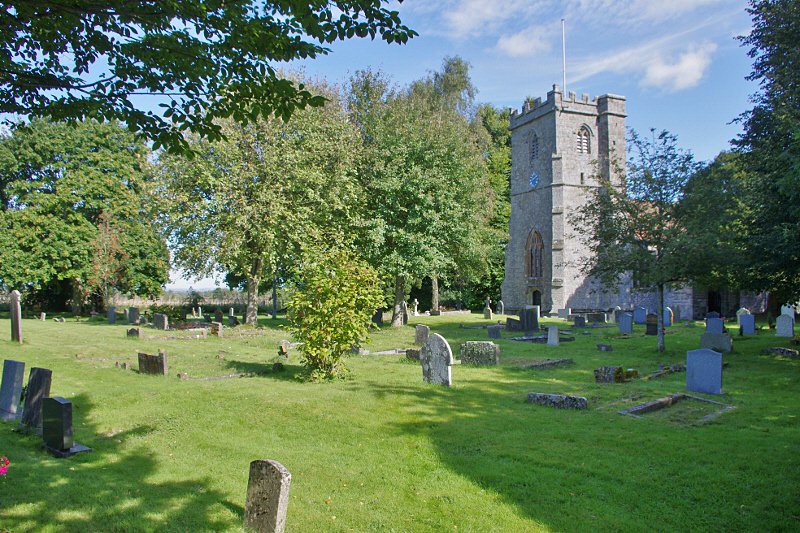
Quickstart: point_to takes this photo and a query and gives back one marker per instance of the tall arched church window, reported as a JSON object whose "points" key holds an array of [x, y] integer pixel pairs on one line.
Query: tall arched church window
{"points": [[534, 255], [534, 147], [583, 139]]}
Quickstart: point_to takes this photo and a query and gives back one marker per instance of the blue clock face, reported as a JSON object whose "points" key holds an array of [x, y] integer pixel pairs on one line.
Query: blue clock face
{"points": [[533, 180]]}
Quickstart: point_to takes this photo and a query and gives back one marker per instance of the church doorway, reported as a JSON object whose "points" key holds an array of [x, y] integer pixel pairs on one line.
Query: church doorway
{"points": [[536, 298], [714, 301]]}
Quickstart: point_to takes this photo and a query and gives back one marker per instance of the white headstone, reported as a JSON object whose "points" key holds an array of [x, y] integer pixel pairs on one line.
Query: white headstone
{"points": [[788, 310], [740, 312], [704, 371], [784, 326], [436, 358], [552, 336]]}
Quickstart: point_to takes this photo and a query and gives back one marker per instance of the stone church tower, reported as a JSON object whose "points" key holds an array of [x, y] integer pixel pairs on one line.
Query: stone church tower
{"points": [[557, 147]]}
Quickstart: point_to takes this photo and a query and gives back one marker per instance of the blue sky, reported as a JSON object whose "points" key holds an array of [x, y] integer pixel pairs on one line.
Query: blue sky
{"points": [[677, 61]]}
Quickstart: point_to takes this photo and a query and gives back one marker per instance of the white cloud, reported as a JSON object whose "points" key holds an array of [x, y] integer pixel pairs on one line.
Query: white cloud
{"points": [[527, 43], [684, 73]]}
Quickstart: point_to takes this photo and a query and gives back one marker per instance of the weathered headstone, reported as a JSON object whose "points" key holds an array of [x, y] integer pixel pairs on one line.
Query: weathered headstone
{"points": [[741, 311], [715, 325], [787, 310], [748, 324], [559, 401], [564, 313], [712, 314], [416, 307], [404, 310], [487, 310], [132, 332], [616, 313], [501, 307], [436, 358], [512, 324], [719, 342], [160, 321], [626, 323], [669, 317], [784, 326], [11, 389], [42, 316], [609, 374], [579, 321], [377, 317], [230, 311], [218, 316], [596, 318], [57, 428], [651, 324], [153, 364], [495, 331], [480, 353], [267, 497], [16, 317], [704, 371], [39, 381], [125, 315], [529, 319], [232, 321], [421, 334], [552, 336], [216, 329], [639, 315], [112, 315], [133, 315]]}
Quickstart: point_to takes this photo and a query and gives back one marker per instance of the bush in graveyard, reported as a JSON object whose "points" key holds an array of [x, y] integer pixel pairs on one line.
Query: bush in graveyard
{"points": [[331, 310]]}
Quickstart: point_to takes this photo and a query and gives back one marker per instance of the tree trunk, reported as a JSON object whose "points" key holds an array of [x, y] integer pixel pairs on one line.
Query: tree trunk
{"points": [[274, 298], [251, 311], [660, 313], [399, 296], [77, 297], [434, 293]]}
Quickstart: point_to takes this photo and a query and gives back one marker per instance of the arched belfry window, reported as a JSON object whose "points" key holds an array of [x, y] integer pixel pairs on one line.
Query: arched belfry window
{"points": [[534, 147], [534, 255], [583, 140]]}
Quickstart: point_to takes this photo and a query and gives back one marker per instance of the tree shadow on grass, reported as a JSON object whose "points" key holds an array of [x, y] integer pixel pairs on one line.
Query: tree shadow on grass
{"points": [[289, 372], [108, 489]]}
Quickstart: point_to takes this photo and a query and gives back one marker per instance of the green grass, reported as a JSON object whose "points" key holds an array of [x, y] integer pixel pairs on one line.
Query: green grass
{"points": [[382, 451]]}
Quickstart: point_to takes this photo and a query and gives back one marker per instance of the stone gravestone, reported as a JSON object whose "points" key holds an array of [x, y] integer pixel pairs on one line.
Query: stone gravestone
{"points": [[626, 323], [579, 321], [57, 428], [480, 353], [616, 313], [267, 497], [494, 331], [669, 317], [232, 321], [651, 324], [748, 324], [39, 381], [788, 310], [712, 314], [552, 336], [501, 307], [421, 334], [216, 329], [404, 310], [529, 319], [153, 364], [11, 389], [125, 315], [416, 307], [715, 325], [559, 401], [487, 310], [512, 324], [704, 371], [719, 342], [218, 316], [377, 317], [160, 321], [133, 332], [230, 311], [564, 313], [741, 311], [436, 358], [596, 318], [112, 315], [16, 317], [42, 316], [784, 326], [133, 315], [639, 315]]}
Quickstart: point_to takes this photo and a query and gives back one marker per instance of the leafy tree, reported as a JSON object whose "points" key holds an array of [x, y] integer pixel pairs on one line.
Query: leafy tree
{"points": [[330, 311], [55, 181], [632, 225], [108, 259], [205, 59], [247, 205], [770, 151]]}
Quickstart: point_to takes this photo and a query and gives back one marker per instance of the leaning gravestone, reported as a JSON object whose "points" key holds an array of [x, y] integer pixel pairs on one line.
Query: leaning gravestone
{"points": [[16, 317], [480, 353], [436, 358], [11, 389], [494, 331], [501, 307], [552, 336], [669, 317], [639, 315], [741, 311], [153, 364], [133, 315], [704, 371], [784, 326], [267, 497], [748, 324], [112, 315], [626, 323], [719, 342], [421, 334], [160, 321], [57, 428], [39, 381], [715, 325]]}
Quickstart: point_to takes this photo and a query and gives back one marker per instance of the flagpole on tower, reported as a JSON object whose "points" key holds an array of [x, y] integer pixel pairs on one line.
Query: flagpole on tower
{"points": [[564, 56]]}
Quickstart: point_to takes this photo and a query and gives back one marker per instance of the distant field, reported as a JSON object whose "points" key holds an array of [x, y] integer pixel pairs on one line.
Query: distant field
{"points": [[382, 451]]}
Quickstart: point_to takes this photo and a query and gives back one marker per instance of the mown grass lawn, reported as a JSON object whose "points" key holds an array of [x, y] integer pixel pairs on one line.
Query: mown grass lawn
{"points": [[382, 451]]}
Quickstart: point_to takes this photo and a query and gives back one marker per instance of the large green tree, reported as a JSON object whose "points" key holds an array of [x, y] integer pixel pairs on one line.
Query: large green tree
{"points": [[248, 206], [633, 226], [770, 151], [205, 59], [56, 180]]}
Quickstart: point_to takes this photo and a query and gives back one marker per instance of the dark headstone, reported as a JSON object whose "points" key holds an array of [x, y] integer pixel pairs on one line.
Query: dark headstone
{"points": [[153, 364], [377, 317], [267, 497], [132, 332], [39, 381], [232, 321], [704, 371], [421, 334], [626, 323], [494, 331], [11, 389], [16, 317], [512, 324], [57, 428], [529, 319], [596, 318], [218, 316], [133, 315], [579, 321], [639, 315], [712, 314], [559, 401], [112, 315], [160, 321], [605, 347], [412, 354]]}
